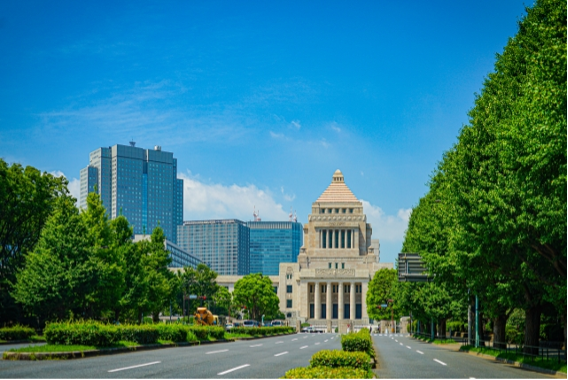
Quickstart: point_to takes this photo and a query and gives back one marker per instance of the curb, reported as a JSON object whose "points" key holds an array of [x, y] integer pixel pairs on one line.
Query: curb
{"points": [[21, 341], [561, 375], [111, 351]]}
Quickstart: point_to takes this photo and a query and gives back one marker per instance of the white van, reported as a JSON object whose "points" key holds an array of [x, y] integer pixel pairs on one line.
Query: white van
{"points": [[250, 323]]}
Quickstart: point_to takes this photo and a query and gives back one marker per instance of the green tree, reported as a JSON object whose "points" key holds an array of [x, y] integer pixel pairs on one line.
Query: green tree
{"points": [[61, 272], [27, 199], [200, 281], [379, 292], [256, 293], [110, 277], [162, 283]]}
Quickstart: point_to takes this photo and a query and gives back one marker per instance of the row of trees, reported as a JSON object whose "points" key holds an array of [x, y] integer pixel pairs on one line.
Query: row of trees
{"points": [[58, 262], [493, 223]]}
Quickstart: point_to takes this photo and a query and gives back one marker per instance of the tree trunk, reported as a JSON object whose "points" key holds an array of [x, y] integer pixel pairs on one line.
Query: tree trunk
{"points": [[499, 329], [480, 331], [565, 320], [442, 327], [532, 329]]}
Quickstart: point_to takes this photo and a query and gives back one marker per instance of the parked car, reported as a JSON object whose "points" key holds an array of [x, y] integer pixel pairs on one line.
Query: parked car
{"points": [[278, 323], [250, 323], [229, 326], [308, 329]]}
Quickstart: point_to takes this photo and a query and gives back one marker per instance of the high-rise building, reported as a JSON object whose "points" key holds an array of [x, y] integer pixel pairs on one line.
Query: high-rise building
{"points": [[222, 244], [272, 243], [140, 184], [180, 257]]}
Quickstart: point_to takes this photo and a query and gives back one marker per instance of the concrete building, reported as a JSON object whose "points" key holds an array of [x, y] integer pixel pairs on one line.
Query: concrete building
{"points": [[272, 243], [327, 285], [140, 184], [180, 257], [222, 244]]}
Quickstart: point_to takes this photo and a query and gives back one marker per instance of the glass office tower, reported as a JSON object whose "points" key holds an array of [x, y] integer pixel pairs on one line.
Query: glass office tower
{"points": [[272, 243], [222, 244], [180, 257], [140, 184]]}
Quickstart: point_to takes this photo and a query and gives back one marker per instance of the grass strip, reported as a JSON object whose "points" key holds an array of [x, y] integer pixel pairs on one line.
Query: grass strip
{"points": [[551, 364], [236, 335], [72, 347]]}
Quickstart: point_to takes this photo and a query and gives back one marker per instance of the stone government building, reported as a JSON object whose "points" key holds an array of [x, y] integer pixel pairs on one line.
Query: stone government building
{"points": [[327, 285]]}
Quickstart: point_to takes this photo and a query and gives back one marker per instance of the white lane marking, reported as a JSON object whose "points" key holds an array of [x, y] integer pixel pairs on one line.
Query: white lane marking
{"points": [[294, 339], [442, 363], [409, 347], [278, 342], [317, 343], [301, 348], [282, 353], [256, 345], [420, 352], [325, 340], [400, 344], [472, 377], [134, 366], [233, 369], [215, 352], [305, 337], [396, 340]]}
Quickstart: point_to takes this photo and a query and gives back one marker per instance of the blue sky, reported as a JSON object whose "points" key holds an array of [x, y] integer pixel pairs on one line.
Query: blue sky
{"points": [[259, 101]]}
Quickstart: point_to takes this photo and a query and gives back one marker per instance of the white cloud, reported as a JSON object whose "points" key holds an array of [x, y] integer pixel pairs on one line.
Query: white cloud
{"points": [[324, 143], [333, 125], [296, 124], [388, 228], [276, 135], [215, 201], [287, 197], [74, 185]]}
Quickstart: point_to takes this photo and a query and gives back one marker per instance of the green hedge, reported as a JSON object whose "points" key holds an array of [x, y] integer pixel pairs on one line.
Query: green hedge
{"points": [[337, 358], [91, 333], [263, 331], [327, 373], [17, 332], [360, 341]]}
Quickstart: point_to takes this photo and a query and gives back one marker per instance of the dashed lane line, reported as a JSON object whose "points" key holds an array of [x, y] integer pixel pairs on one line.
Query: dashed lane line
{"points": [[409, 347], [294, 339], [134, 366], [401, 344], [442, 363], [420, 352], [301, 348], [316, 343], [279, 342], [325, 341], [256, 345], [282, 353], [215, 352], [233, 369]]}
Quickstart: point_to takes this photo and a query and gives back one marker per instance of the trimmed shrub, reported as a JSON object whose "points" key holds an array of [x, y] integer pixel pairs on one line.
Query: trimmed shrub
{"points": [[173, 332], [190, 337], [84, 333], [327, 373], [17, 332], [144, 334], [264, 331], [360, 341], [337, 358]]}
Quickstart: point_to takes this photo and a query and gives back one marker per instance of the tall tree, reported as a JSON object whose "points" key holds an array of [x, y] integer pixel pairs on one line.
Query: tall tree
{"points": [[27, 198], [61, 273], [379, 292], [256, 293]]}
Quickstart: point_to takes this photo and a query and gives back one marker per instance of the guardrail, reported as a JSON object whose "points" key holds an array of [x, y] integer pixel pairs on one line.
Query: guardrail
{"points": [[544, 351]]}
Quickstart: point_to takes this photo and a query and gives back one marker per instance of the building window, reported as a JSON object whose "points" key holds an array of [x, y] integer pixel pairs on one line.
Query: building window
{"points": [[288, 303], [351, 211], [288, 288], [323, 288], [275, 289], [337, 211], [329, 265], [342, 265], [311, 289], [336, 265]]}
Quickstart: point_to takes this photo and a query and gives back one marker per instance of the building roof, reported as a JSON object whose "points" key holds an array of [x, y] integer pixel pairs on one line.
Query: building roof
{"points": [[337, 191]]}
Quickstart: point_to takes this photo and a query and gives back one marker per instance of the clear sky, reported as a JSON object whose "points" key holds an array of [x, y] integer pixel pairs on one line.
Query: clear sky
{"points": [[259, 101]]}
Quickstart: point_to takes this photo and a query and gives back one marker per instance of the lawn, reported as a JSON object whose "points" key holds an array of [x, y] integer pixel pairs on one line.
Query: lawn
{"points": [[66, 348], [551, 364]]}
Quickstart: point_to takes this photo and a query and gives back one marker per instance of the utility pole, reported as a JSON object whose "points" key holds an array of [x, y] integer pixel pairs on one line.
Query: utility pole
{"points": [[476, 321]]}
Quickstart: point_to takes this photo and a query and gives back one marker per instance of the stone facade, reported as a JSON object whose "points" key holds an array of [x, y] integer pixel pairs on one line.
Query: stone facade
{"points": [[327, 286]]}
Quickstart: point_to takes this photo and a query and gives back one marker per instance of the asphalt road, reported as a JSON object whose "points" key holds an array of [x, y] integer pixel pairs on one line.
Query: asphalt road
{"points": [[261, 358], [404, 357]]}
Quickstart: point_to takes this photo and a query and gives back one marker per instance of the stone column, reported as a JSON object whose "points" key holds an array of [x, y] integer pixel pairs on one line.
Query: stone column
{"points": [[352, 302], [340, 302], [317, 301], [364, 287], [357, 238], [328, 302]]}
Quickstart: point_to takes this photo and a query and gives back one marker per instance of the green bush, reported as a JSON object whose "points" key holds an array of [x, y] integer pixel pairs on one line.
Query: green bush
{"points": [[263, 331], [173, 332], [455, 326], [87, 333], [360, 341], [337, 358], [17, 332], [190, 337], [143, 334], [327, 373]]}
